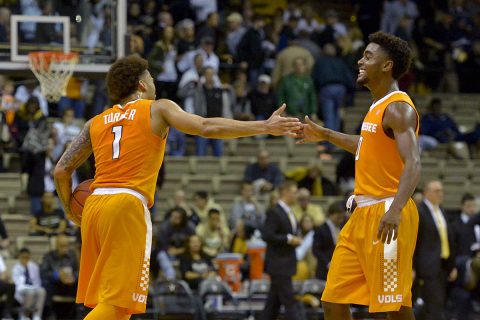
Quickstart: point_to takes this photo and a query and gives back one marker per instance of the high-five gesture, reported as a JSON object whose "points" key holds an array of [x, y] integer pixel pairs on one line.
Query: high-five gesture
{"points": [[311, 132], [281, 126]]}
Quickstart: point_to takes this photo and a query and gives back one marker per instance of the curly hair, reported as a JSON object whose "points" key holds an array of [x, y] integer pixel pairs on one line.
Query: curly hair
{"points": [[123, 77], [397, 49]]}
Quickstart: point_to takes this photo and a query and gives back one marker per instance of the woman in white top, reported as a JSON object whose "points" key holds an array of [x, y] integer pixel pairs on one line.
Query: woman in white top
{"points": [[28, 286]]}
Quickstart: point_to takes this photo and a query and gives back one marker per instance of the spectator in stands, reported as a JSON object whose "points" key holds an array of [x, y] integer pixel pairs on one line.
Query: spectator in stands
{"points": [[312, 179], [250, 51], [396, 11], [331, 30], [210, 59], [241, 108], [203, 203], [28, 29], [332, 79], [203, 8], [32, 133], [5, 14], [242, 234], [162, 60], [467, 236], [214, 234], [59, 271], [29, 90], [289, 32], [63, 132], [434, 257], [195, 265], [176, 143], [28, 286], [74, 98], [306, 262], [210, 28], [247, 209], [235, 32], [161, 266], [308, 22], [326, 237], [304, 41], [180, 200], [4, 239], [262, 99], [264, 175], [437, 127], [210, 101], [297, 91], [174, 232], [186, 36], [9, 104], [303, 207], [49, 221], [284, 64], [48, 32], [8, 289]]}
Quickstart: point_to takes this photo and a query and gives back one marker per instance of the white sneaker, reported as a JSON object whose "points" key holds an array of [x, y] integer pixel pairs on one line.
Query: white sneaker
{"points": [[36, 317], [23, 318]]}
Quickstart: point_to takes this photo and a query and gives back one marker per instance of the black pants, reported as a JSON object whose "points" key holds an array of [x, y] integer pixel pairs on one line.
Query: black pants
{"points": [[433, 292], [9, 290], [64, 310], [281, 293]]}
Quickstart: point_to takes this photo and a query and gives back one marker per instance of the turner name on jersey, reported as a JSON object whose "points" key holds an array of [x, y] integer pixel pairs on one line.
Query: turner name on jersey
{"points": [[117, 116]]}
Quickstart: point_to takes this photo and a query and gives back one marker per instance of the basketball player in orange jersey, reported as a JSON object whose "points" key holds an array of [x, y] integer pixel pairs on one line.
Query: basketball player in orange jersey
{"points": [[128, 143], [372, 262]]}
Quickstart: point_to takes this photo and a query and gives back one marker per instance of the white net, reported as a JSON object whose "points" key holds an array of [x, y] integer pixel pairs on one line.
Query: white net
{"points": [[53, 70]]}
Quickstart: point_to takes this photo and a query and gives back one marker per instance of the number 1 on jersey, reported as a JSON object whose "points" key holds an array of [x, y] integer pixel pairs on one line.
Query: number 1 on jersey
{"points": [[117, 132]]}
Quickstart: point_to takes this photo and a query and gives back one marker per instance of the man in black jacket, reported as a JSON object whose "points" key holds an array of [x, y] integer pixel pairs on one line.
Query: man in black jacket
{"points": [[249, 50], [434, 258], [326, 237], [280, 260]]}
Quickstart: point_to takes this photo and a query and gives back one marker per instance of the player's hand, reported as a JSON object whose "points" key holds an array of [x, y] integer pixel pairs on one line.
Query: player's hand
{"points": [[76, 220], [282, 126], [453, 275], [388, 228], [311, 132]]}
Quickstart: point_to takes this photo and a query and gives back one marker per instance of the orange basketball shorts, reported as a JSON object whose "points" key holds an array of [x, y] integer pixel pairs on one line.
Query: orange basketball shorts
{"points": [[115, 257], [365, 271]]}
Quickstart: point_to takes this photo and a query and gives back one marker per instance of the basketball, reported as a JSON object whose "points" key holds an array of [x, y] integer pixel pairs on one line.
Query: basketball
{"points": [[79, 196]]}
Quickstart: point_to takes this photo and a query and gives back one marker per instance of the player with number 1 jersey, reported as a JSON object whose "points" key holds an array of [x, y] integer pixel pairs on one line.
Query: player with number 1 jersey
{"points": [[128, 143]]}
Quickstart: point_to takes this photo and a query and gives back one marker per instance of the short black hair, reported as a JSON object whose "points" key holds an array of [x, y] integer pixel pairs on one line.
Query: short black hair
{"points": [[467, 197], [23, 250], [202, 194], [123, 77], [397, 49], [213, 211]]}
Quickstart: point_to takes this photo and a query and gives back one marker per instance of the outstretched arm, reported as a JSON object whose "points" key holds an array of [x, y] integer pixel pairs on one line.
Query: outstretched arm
{"points": [[402, 120], [312, 132], [78, 151], [221, 128]]}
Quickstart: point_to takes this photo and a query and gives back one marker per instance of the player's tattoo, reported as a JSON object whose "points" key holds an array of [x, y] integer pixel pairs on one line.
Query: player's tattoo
{"points": [[78, 151]]}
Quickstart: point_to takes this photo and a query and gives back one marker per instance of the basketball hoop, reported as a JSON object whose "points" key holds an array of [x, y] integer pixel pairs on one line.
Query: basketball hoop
{"points": [[53, 70]]}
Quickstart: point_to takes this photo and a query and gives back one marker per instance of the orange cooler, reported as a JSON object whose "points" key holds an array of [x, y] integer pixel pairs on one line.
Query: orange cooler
{"points": [[256, 252], [229, 269]]}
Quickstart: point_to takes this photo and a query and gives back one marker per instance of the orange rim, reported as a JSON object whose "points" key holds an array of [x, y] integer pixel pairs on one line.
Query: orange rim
{"points": [[43, 59]]}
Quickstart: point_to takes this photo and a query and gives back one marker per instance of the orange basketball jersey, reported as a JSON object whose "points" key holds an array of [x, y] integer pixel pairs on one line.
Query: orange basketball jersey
{"points": [[127, 153], [378, 165]]}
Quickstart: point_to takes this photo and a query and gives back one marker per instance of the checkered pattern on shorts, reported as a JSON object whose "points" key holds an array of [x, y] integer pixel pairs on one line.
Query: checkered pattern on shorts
{"points": [[145, 274], [390, 275]]}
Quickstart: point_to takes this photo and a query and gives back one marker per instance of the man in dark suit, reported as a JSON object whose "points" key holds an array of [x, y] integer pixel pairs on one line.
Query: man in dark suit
{"points": [[434, 258], [279, 232], [467, 233], [325, 238]]}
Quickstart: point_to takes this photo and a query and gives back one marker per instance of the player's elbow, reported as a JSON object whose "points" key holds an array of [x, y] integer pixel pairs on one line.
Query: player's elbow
{"points": [[61, 172]]}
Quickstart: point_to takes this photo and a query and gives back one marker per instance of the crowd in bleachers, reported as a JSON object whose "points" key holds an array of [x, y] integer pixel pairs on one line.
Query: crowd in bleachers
{"points": [[237, 59]]}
